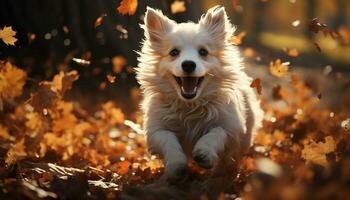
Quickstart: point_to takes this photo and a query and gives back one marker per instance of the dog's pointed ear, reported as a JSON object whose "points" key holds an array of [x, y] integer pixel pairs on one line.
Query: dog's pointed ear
{"points": [[217, 24], [156, 24]]}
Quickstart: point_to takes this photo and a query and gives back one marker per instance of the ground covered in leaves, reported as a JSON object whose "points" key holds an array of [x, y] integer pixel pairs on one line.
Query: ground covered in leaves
{"points": [[53, 148]]}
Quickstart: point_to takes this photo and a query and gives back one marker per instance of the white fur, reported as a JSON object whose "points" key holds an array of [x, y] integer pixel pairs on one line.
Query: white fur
{"points": [[225, 114]]}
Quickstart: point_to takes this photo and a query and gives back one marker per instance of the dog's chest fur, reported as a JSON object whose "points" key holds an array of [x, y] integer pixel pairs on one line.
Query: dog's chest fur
{"points": [[190, 121]]}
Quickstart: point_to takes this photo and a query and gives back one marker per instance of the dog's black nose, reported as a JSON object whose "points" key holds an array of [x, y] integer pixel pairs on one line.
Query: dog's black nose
{"points": [[188, 66]]}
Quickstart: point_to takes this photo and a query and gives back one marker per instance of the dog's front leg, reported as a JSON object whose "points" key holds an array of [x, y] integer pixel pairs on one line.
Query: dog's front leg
{"points": [[167, 145], [209, 147]]}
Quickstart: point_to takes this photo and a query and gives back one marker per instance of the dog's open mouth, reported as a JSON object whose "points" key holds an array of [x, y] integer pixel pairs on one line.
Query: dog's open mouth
{"points": [[189, 85]]}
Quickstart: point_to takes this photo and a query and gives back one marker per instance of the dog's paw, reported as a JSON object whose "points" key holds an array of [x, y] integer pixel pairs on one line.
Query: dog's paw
{"points": [[204, 158], [176, 172]]}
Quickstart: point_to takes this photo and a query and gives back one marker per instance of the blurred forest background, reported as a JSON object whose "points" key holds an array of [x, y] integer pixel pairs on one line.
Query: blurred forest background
{"points": [[51, 33]]}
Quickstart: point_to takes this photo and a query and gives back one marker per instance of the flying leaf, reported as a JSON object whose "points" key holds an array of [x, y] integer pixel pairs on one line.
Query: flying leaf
{"points": [[278, 68], [291, 52], [177, 7], [118, 63], [111, 78], [256, 83], [81, 61], [315, 27], [127, 7], [7, 35], [99, 20], [237, 39]]}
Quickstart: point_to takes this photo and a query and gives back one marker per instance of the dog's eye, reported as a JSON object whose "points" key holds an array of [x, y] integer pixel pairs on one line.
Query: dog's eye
{"points": [[203, 52], [174, 52]]}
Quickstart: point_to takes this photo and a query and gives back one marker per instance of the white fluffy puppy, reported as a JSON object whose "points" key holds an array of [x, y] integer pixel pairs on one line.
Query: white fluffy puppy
{"points": [[197, 98]]}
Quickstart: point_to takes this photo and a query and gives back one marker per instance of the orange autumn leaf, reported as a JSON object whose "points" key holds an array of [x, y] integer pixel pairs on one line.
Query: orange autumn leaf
{"points": [[315, 26], [4, 134], [237, 39], [256, 83], [34, 121], [8, 35], [43, 98], [123, 167], [111, 78], [316, 152], [63, 81], [291, 52], [127, 7], [177, 7], [99, 20], [118, 63], [12, 80], [16, 152], [279, 69]]}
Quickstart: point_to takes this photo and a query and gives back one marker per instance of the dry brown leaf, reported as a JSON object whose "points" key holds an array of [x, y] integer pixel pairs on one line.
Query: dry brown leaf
{"points": [[317, 46], [316, 152], [63, 81], [12, 81], [237, 39], [34, 121], [178, 7], [7, 35], [16, 152], [123, 167], [4, 134], [315, 26], [256, 83], [127, 7], [43, 98], [278, 68]]}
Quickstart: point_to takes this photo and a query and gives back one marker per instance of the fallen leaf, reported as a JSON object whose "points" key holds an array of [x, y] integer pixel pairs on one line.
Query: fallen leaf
{"points": [[4, 133], [127, 7], [178, 7], [43, 98], [279, 69], [316, 152], [12, 80], [16, 152], [7, 35]]}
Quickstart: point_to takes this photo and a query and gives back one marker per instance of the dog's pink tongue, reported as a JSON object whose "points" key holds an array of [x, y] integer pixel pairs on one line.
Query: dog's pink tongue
{"points": [[189, 85]]}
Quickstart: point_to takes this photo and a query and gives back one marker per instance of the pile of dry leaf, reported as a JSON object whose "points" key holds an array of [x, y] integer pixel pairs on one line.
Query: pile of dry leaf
{"points": [[52, 148]]}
